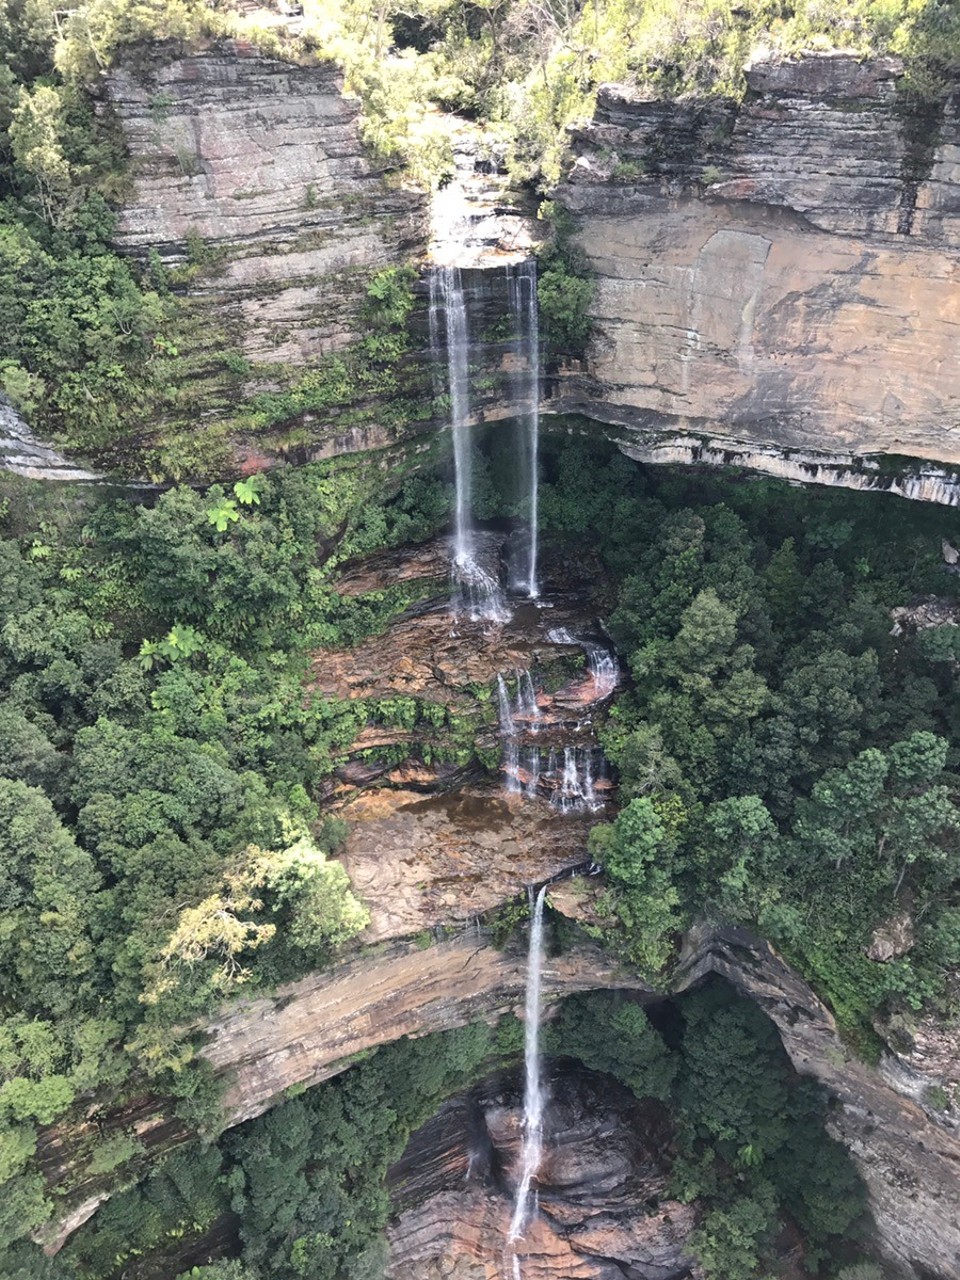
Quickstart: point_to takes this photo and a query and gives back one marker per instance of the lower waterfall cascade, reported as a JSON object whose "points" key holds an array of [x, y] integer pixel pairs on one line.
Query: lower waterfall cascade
{"points": [[550, 754], [531, 1147]]}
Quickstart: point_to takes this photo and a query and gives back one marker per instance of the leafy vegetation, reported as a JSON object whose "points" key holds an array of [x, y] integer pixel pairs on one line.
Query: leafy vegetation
{"points": [[750, 1147], [161, 845], [785, 762], [300, 1216], [531, 70]]}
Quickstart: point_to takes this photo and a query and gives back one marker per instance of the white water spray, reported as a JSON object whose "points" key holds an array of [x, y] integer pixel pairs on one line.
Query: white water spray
{"points": [[603, 668], [531, 1150], [527, 708], [602, 662], [511, 766], [577, 790], [522, 287], [446, 294], [476, 591], [507, 727]]}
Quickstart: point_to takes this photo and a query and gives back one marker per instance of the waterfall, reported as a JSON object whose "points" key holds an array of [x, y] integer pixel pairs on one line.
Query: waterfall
{"points": [[507, 727], [476, 591], [511, 766], [522, 287], [446, 294], [604, 669], [533, 1092], [526, 705], [577, 789], [601, 662], [533, 772]]}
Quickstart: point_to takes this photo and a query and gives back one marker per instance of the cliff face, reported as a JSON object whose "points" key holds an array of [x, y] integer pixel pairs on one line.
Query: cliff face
{"points": [[256, 166], [603, 1211], [24, 455], [906, 1150], [778, 275]]}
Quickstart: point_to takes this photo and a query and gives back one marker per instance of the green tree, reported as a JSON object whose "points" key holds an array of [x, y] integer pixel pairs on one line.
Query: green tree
{"points": [[607, 1034], [36, 139], [636, 841], [48, 893]]}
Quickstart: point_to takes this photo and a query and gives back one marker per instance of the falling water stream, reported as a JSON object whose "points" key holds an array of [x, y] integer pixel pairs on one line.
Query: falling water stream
{"points": [[446, 295], [531, 1149], [507, 727], [522, 286], [476, 591]]}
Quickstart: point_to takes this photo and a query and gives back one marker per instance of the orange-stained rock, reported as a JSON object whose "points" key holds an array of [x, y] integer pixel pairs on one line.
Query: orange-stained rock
{"points": [[601, 1189], [415, 860]]}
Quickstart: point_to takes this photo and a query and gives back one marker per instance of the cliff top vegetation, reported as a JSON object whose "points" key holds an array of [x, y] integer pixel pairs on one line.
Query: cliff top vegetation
{"points": [[530, 67]]}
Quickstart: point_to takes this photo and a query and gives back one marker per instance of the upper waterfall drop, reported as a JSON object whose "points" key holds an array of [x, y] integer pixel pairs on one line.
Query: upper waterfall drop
{"points": [[522, 288], [446, 296], [476, 591]]}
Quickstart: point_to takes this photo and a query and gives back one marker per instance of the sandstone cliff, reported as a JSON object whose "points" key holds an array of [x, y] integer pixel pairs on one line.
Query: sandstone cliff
{"points": [[906, 1150], [778, 275], [603, 1211], [255, 166], [24, 455]]}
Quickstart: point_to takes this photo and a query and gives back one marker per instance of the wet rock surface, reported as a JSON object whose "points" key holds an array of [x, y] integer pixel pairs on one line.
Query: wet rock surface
{"points": [[415, 860], [429, 653], [432, 840], [513, 697], [602, 1209]]}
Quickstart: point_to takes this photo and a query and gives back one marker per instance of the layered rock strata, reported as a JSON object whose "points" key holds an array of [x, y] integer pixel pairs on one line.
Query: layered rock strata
{"points": [[904, 1146], [602, 1207], [773, 276], [255, 165], [24, 455], [906, 1150]]}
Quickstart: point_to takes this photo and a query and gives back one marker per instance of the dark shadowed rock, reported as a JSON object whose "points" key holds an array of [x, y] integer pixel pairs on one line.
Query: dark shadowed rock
{"points": [[603, 1212]]}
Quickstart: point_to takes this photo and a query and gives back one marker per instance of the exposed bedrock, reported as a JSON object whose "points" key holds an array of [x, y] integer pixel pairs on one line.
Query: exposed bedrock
{"points": [[777, 279], [23, 454], [259, 161], [907, 1151], [778, 275], [603, 1212]]}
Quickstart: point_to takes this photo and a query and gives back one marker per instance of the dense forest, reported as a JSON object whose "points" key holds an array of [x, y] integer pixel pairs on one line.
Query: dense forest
{"points": [[784, 762]]}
